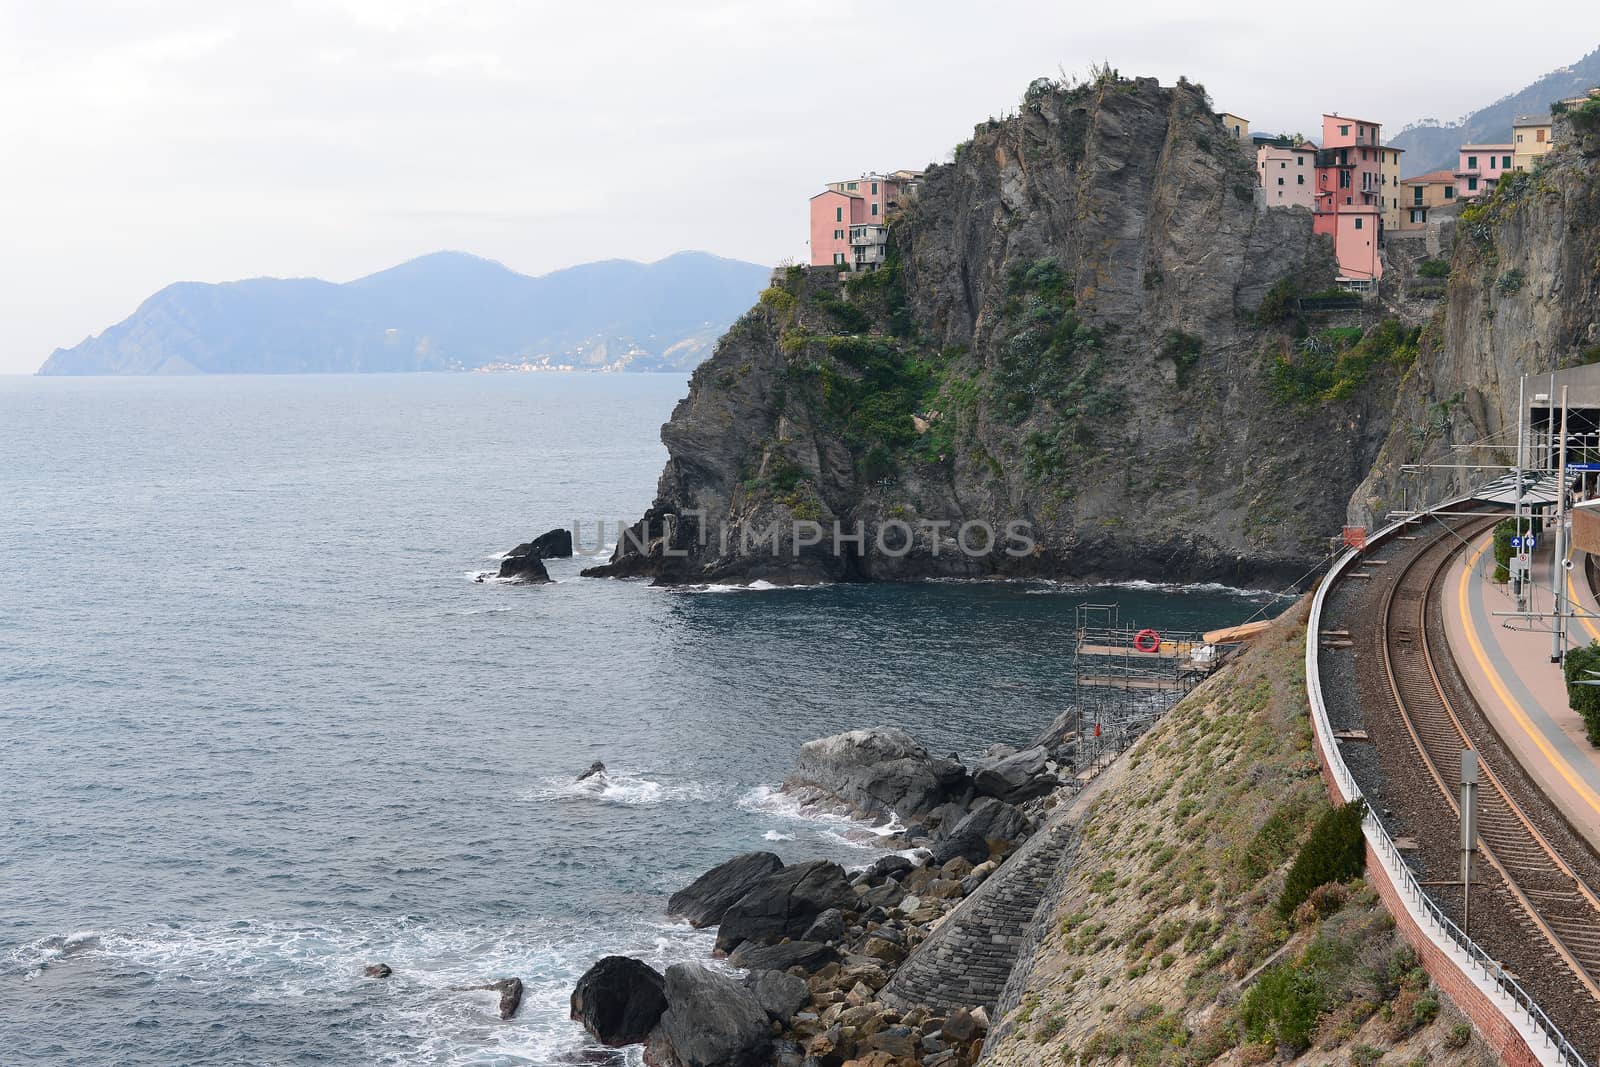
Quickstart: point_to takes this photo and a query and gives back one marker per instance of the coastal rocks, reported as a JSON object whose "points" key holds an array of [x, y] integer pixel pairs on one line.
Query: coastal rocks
{"points": [[807, 955], [529, 570], [1016, 777], [993, 822], [619, 1001], [710, 1021], [784, 904], [378, 970], [828, 927], [875, 772], [704, 900], [552, 544], [780, 995], [510, 990], [525, 562]]}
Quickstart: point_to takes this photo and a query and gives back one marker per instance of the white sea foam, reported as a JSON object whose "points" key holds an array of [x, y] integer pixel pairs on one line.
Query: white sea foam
{"points": [[427, 1007], [830, 826], [760, 585], [618, 787], [1050, 586]]}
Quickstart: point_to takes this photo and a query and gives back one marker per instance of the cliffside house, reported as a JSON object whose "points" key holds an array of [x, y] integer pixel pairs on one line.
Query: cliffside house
{"points": [[1389, 194], [1480, 167], [1347, 202], [1287, 172], [1237, 126], [1530, 139], [848, 218], [1421, 194]]}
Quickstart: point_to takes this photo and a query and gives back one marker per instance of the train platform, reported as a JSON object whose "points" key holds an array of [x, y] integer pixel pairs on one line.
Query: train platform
{"points": [[1505, 661]]}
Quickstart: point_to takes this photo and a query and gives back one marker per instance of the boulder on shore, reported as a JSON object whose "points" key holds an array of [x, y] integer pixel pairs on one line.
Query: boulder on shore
{"points": [[619, 1001], [810, 956], [875, 772], [781, 995], [704, 900], [993, 821], [1014, 778], [784, 904], [710, 1021]]}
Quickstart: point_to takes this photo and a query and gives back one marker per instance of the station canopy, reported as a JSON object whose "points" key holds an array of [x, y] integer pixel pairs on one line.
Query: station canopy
{"points": [[1537, 488]]}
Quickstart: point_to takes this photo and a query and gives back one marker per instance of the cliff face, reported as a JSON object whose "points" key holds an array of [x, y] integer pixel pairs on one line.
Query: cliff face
{"points": [[1523, 297], [1066, 338]]}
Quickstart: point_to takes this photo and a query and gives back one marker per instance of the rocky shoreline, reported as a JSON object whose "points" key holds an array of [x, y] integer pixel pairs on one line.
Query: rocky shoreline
{"points": [[819, 946]]}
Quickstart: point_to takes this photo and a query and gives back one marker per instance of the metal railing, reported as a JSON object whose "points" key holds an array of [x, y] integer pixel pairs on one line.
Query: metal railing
{"points": [[1561, 1051]]}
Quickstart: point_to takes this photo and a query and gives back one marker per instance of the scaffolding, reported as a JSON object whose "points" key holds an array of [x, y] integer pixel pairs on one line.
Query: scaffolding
{"points": [[1126, 677]]}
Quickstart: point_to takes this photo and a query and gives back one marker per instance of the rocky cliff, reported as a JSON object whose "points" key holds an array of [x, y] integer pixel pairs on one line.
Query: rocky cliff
{"points": [[1523, 297], [1077, 363]]}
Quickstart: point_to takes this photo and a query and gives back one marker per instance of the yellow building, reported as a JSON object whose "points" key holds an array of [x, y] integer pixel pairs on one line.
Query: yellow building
{"points": [[1238, 127], [1421, 194], [1530, 139], [1389, 186]]}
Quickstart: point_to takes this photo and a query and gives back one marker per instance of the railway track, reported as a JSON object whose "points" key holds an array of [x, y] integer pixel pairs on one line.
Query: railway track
{"points": [[1556, 905]]}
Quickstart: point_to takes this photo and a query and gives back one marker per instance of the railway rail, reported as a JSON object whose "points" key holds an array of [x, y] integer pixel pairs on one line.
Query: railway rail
{"points": [[1557, 905]]}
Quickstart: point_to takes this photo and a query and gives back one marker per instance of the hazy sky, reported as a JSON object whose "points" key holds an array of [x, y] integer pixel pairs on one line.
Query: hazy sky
{"points": [[148, 142]]}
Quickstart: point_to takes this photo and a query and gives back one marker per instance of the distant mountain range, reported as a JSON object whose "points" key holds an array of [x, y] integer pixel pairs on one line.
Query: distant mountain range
{"points": [[1431, 145], [445, 311]]}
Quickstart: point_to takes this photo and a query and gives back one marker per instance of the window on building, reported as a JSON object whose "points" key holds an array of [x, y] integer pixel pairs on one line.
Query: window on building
{"points": [[850, 185], [1280, 181], [1449, 192], [874, 188], [838, 258], [874, 209], [1472, 162], [1299, 161], [1282, 165], [838, 214], [1344, 131], [1472, 183], [1358, 224], [1416, 195], [1538, 136], [1348, 200], [1505, 162], [1299, 179], [1519, 138]]}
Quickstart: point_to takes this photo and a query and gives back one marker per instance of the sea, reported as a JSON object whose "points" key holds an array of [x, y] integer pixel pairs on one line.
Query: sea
{"points": [[260, 726]]}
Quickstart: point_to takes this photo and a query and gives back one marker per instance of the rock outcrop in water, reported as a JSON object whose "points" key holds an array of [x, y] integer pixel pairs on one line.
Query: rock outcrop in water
{"points": [[1078, 331], [619, 1001]]}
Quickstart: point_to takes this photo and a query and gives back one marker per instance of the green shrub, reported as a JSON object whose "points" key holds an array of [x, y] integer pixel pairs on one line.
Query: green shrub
{"points": [[1333, 365], [846, 314], [1585, 699], [1510, 281], [1433, 268], [1283, 1006], [1503, 533], [1335, 852], [1183, 349]]}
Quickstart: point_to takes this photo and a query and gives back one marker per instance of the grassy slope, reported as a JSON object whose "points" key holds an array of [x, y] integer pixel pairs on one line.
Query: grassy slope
{"points": [[1169, 917]]}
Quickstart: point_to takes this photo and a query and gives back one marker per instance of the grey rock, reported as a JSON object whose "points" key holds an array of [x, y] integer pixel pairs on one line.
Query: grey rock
{"points": [[808, 955], [378, 970], [529, 570], [968, 844], [619, 1000], [874, 772], [704, 900], [784, 904], [711, 1021], [552, 544], [1018, 777], [993, 820], [828, 927], [780, 994]]}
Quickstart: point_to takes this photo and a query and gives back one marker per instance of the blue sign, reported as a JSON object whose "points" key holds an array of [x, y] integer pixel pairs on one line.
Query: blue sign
{"points": [[1583, 466], [1527, 542]]}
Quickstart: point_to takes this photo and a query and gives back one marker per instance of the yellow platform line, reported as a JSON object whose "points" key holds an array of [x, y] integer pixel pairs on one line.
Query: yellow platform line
{"points": [[1536, 735]]}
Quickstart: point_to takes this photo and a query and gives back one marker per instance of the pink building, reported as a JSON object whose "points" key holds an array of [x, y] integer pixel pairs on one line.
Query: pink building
{"points": [[1288, 173], [848, 219], [1349, 194], [1480, 166]]}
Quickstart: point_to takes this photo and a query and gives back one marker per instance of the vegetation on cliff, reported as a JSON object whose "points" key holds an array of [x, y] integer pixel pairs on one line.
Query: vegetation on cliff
{"points": [[1214, 910]]}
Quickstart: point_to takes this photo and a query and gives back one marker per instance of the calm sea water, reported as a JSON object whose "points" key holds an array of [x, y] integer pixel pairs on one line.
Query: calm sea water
{"points": [[258, 727]]}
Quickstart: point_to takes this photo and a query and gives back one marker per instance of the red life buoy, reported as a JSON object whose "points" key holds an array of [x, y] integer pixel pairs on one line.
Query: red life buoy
{"points": [[1147, 641]]}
